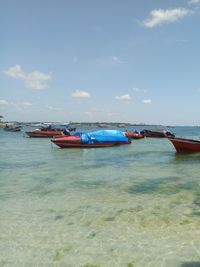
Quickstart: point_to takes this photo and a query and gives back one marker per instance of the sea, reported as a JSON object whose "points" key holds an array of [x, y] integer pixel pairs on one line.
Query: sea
{"points": [[135, 205]]}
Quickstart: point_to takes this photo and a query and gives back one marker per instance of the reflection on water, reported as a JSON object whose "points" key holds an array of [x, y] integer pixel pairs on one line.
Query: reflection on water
{"points": [[188, 157]]}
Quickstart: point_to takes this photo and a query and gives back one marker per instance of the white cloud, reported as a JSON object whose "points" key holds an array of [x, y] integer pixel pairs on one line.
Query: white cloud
{"points": [[125, 97], [17, 106], [35, 80], [21, 105], [116, 60], [80, 94], [109, 62], [193, 2], [160, 16], [147, 101], [3, 102]]}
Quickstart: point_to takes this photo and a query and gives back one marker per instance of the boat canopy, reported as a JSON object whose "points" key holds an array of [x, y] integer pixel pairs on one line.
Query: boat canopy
{"points": [[103, 136]]}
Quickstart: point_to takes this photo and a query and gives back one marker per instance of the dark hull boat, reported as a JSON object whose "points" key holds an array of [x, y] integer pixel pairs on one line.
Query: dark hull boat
{"points": [[12, 128], [183, 145], [46, 133], [157, 133], [105, 138]]}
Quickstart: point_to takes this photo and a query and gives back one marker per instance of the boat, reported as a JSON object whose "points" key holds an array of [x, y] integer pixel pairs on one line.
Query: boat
{"points": [[121, 125], [12, 128], [45, 132], [157, 133], [134, 135], [103, 125], [102, 138], [184, 145]]}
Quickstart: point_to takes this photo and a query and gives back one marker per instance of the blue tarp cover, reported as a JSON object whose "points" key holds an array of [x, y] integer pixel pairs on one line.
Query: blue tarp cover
{"points": [[103, 136]]}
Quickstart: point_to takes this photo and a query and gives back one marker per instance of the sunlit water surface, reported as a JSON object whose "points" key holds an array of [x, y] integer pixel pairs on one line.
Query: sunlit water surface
{"points": [[134, 205]]}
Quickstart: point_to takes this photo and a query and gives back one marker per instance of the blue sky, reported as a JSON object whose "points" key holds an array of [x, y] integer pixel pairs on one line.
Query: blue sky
{"points": [[131, 61]]}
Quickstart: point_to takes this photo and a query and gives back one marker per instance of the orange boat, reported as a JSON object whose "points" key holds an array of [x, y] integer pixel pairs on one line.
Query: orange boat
{"points": [[183, 145], [47, 133]]}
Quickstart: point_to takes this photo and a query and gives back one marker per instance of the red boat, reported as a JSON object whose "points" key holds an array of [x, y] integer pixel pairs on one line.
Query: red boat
{"points": [[104, 138], [183, 145], [133, 135], [75, 141], [48, 133]]}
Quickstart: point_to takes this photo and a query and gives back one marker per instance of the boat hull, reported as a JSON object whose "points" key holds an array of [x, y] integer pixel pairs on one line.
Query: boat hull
{"points": [[183, 145], [76, 142], [44, 134], [13, 129], [157, 134]]}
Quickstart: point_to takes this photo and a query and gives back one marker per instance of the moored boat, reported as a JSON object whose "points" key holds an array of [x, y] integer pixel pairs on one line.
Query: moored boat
{"points": [[157, 133], [104, 138], [12, 128], [184, 145], [45, 133]]}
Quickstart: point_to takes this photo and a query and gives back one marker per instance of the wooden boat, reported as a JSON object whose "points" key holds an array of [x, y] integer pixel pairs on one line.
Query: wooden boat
{"points": [[157, 133], [134, 135], [91, 140], [45, 133], [183, 145]]}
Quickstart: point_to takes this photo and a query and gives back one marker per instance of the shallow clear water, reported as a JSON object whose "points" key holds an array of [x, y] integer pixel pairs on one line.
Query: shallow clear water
{"points": [[134, 205]]}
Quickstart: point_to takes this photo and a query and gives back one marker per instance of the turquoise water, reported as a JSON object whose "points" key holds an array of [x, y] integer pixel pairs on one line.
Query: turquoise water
{"points": [[134, 205]]}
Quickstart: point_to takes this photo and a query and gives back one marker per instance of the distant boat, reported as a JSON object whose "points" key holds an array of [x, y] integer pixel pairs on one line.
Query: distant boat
{"points": [[12, 128], [183, 145], [157, 133], [45, 132], [121, 125], [103, 125], [46, 124], [104, 138]]}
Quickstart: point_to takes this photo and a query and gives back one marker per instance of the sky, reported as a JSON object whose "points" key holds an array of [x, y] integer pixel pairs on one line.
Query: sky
{"points": [[134, 61]]}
